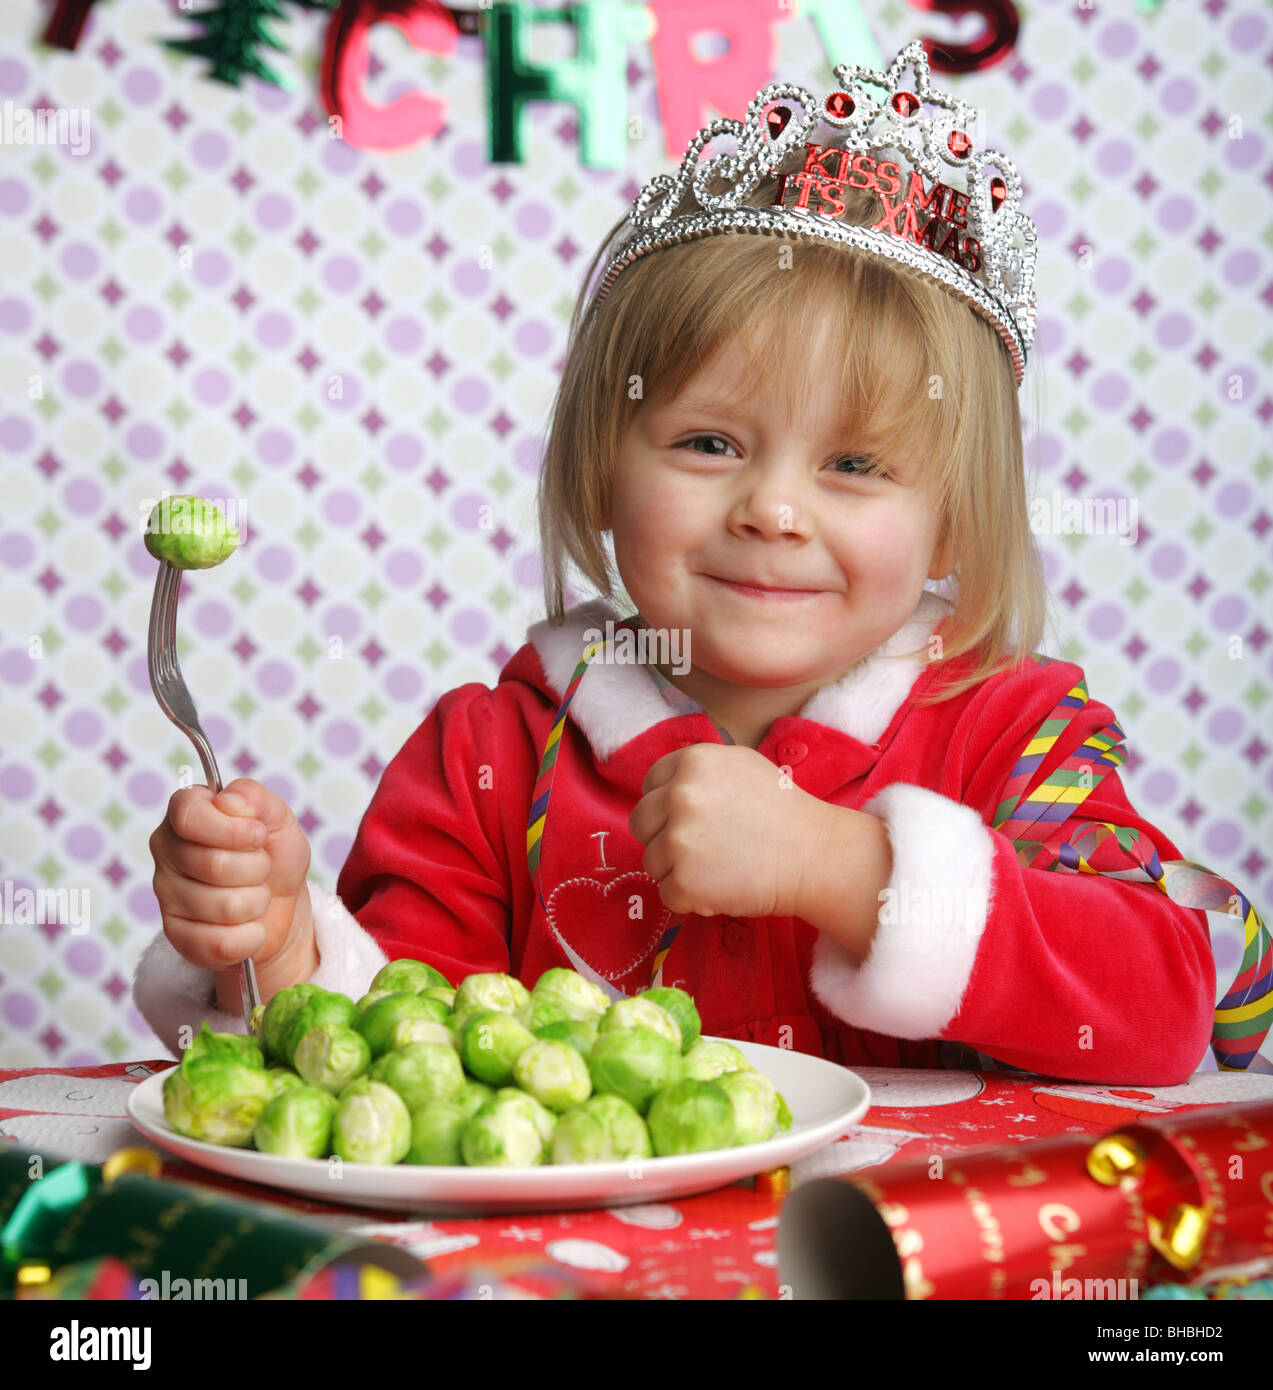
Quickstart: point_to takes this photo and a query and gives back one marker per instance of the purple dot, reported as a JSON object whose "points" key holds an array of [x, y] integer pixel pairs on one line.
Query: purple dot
{"points": [[1224, 725], [336, 850], [1173, 330], [143, 324], [402, 683], [1113, 274], [402, 452], [1160, 787], [144, 788], [83, 842], [528, 569], [15, 433], [402, 217], [469, 157], [340, 391], [403, 335], [83, 958], [1106, 621], [136, 669], [274, 329], [141, 85], [274, 446], [1163, 674], [1050, 334], [275, 678], [275, 562], [342, 620], [1243, 154], [1178, 96], [17, 782], [143, 205], [1246, 33], [1233, 498], [469, 279], [211, 268], [140, 560], [533, 220], [1240, 267], [1224, 837], [142, 904], [82, 727], [213, 618], [16, 667], [15, 315], [83, 612], [1170, 445], [1242, 378], [342, 506], [1050, 100], [528, 454], [81, 378], [18, 1008], [1228, 612], [210, 149], [403, 567], [17, 549], [281, 786], [144, 441], [532, 337], [466, 510], [1115, 157], [13, 77], [1177, 213], [211, 386], [341, 737], [274, 211], [470, 626], [471, 394], [79, 260], [14, 197], [339, 157], [1118, 39], [1110, 390], [1050, 217], [341, 273], [1167, 560]]}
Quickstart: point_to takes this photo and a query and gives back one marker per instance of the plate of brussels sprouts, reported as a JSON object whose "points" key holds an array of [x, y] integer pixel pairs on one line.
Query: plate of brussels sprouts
{"points": [[488, 1097]]}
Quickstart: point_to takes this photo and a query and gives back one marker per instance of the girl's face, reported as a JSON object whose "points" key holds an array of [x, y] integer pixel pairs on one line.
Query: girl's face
{"points": [[713, 493]]}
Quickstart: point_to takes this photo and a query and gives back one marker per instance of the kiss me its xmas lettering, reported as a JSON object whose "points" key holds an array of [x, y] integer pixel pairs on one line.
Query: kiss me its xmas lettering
{"points": [[829, 171]]}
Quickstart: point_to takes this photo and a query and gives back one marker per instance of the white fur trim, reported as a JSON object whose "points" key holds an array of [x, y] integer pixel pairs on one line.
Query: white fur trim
{"points": [[616, 702], [170, 992], [913, 977]]}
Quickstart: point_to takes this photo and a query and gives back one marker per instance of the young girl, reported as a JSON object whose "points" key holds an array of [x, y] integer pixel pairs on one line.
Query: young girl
{"points": [[848, 815]]}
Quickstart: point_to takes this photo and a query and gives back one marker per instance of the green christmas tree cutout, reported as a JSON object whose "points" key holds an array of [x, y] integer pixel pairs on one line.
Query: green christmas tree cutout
{"points": [[234, 32]]}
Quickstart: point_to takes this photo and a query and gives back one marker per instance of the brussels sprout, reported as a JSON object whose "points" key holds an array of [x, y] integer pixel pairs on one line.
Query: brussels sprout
{"points": [[538, 1114], [189, 532], [554, 1073], [240, 1046], [421, 1072], [374, 996], [631, 1013], [256, 1021], [578, 1032], [604, 1129], [372, 1123], [755, 1105], [784, 1113], [417, 1030], [323, 1007], [217, 1098], [490, 990], [413, 976], [501, 1136], [579, 997], [635, 1063], [297, 1123], [690, 1116], [284, 1080], [435, 1133], [472, 1096], [490, 1043], [377, 1023], [681, 1006], [705, 1061], [443, 996], [545, 1011], [278, 1016], [331, 1056]]}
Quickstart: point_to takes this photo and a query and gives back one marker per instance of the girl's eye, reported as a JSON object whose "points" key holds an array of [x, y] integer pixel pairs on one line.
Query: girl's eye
{"points": [[870, 466], [699, 438]]}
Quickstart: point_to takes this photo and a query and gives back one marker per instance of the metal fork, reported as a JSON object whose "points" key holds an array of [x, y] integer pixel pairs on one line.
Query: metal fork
{"points": [[174, 699]]}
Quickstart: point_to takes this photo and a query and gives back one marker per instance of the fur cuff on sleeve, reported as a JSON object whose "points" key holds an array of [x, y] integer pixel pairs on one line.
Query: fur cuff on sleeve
{"points": [[930, 921], [171, 993]]}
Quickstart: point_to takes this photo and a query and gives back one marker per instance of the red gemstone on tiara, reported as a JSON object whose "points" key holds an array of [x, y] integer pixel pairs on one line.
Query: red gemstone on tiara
{"points": [[905, 103], [776, 119], [959, 143], [998, 192], [840, 105]]}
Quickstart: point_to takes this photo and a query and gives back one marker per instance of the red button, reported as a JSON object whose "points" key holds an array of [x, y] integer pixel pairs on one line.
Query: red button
{"points": [[737, 937], [792, 752]]}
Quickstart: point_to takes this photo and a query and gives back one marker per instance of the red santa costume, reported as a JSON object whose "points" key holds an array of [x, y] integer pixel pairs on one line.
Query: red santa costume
{"points": [[1080, 976]]}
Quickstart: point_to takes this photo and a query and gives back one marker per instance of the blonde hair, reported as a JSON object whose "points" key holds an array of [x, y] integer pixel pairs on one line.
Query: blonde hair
{"points": [[900, 337]]}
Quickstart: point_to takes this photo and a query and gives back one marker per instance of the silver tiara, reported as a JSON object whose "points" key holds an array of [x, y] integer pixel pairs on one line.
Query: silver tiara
{"points": [[962, 237]]}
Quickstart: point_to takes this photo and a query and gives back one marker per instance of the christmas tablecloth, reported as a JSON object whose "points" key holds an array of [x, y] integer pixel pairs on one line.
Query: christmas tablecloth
{"points": [[719, 1244]]}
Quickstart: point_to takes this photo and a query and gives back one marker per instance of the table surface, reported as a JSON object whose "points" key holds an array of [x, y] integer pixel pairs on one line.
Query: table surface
{"points": [[715, 1245]]}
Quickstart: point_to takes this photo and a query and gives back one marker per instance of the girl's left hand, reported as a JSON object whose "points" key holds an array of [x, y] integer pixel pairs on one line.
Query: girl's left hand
{"points": [[726, 832]]}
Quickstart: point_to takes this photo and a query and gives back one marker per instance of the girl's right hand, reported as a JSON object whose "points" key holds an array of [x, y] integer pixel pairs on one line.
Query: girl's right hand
{"points": [[228, 871]]}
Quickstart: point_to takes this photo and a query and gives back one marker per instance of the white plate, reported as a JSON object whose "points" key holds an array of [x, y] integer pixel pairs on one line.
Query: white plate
{"points": [[825, 1100]]}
